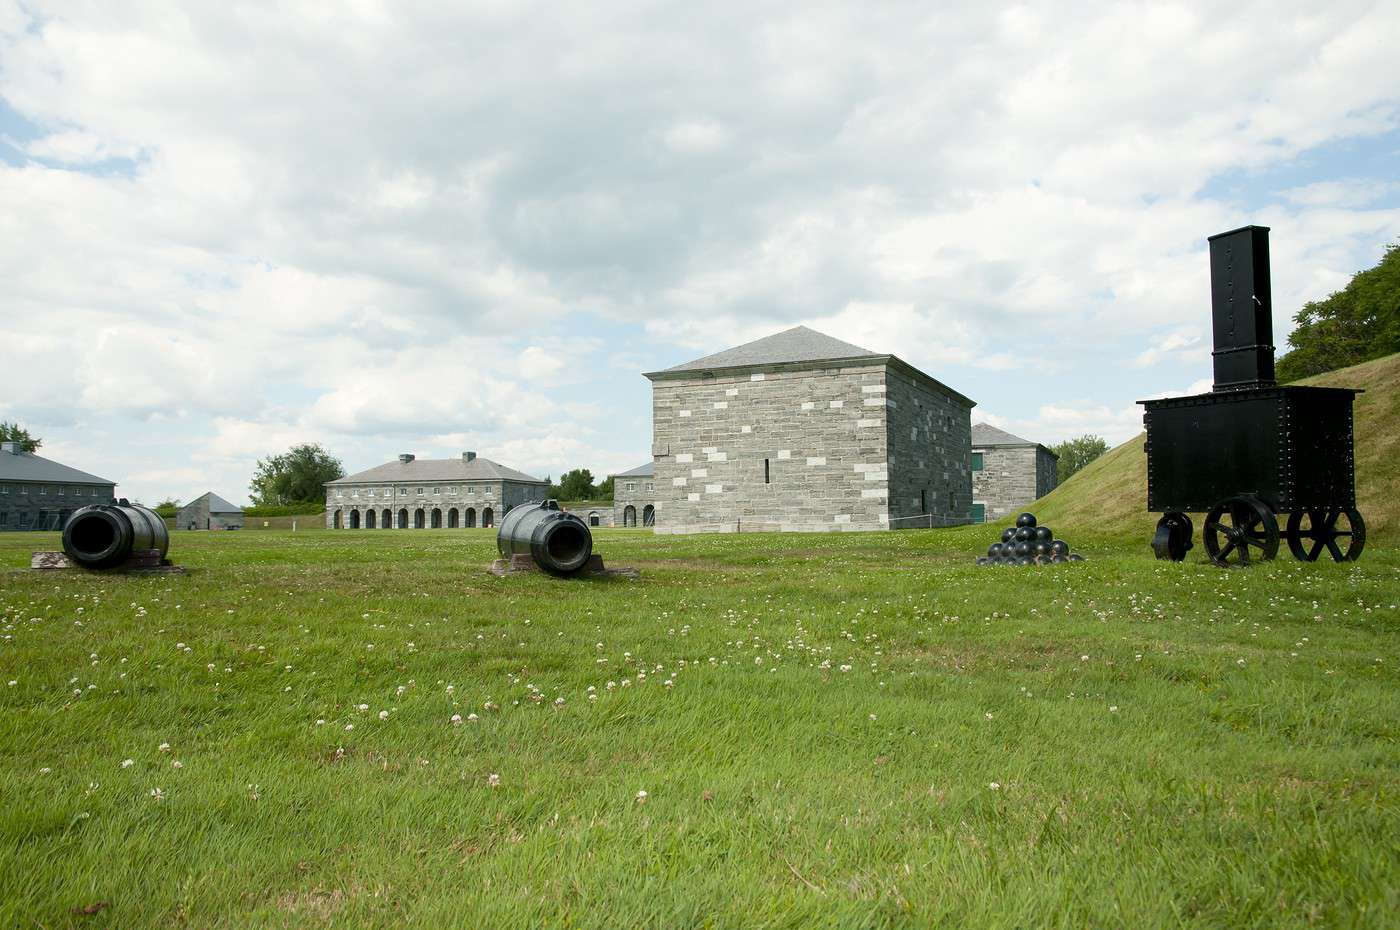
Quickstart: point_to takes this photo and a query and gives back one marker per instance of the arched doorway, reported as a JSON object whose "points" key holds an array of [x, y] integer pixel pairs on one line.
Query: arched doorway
{"points": [[487, 517], [648, 515], [629, 516], [452, 518], [369, 519], [354, 519], [335, 519], [387, 521], [592, 518], [469, 517], [437, 518], [418, 518], [403, 518]]}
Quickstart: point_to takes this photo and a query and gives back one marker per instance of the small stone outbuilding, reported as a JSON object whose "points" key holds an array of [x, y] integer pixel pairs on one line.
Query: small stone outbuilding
{"points": [[209, 511], [634, 496], [1008, 473]]}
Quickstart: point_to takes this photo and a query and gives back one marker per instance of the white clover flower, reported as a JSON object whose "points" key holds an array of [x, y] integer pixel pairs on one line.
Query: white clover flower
{"points": [[1239, 661], [128, 763], [988, 715], [349, 727], [456, 719], [383, 715], [472, 718], [157, 794], [995, 786], [872, 716], [641, 797], [559, 702], [164, 747], [362, 708], [45, 770], [320, 721], [493, 780]]}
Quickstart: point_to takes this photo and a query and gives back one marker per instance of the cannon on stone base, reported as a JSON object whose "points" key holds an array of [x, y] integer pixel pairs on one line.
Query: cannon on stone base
{"points": [[539, 535], [120, 536]]}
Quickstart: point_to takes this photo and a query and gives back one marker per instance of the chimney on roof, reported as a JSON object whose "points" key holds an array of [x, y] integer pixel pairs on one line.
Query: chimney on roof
{"points": [[406, 457], [468, 456], [14, 448]]}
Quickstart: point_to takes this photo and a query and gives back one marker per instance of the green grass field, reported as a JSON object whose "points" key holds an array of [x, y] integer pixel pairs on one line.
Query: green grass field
{"points": [[859, 730]]}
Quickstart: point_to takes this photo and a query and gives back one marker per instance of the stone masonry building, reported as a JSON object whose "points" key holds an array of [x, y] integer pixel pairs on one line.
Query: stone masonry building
{"points": [[800, 431], [209, 511], [40, 494], [422, 493], [1008, 473], [634, 496]]}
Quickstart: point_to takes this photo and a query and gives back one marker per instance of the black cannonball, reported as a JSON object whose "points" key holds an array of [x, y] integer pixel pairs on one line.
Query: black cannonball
{"points": [[1025, 534], [1041, 548], [994, 550], [1008, 534], [1022, 550], [1026, 519], [1058, 558], [1076, 557], [1023, 561], [1060, 546], [1043, 532]]}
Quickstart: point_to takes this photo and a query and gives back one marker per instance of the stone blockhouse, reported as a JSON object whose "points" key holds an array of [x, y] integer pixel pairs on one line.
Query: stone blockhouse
{"points": [[40, 494], [800, 431], [209, 511], [634, 496], [429, 493], [1008, 473]]}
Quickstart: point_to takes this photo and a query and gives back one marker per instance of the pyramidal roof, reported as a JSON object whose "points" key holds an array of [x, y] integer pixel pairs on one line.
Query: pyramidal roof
{"points": [[799, 344], [26, 466], [458, 469], [985, 434], [216, 503]]}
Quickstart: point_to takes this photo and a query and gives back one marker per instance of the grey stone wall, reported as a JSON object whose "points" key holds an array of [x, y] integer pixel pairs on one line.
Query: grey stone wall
{"points": [[348, 504], [930, 452], [787, 449], [639, 498], [1011, 478], [27, 505]]}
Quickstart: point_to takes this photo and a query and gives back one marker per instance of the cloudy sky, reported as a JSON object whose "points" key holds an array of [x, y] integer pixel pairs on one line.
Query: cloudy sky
{"points": [[391, 227]]}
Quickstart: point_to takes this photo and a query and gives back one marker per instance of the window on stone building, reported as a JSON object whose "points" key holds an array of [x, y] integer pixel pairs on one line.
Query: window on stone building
{"points": [[60, 490], [977, 461], [24, 489], [43, 490], [4, 518], [923, 501], [650, 486], [4, 489], [631, 485], [767, 473], [438, 490], [340, 494], [420, 490]]}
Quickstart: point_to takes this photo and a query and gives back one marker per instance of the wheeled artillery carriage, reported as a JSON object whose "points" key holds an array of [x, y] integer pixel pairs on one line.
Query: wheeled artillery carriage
{"points": [[1251, 449]]}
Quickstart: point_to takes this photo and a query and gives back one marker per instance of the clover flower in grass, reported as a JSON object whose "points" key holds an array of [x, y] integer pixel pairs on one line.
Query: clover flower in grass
{"points": [[349, 727], [383, 715], [163, 747], [995, 785], [493, 780], [642, 797], [157, 794], [456, 720], [362, 707], [177, 764], [128, 763], [559, 702]]}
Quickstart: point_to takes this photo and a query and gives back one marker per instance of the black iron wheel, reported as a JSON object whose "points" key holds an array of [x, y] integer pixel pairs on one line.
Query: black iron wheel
{"points": [[1240, 530], [1173, 537], [1311, 531]]}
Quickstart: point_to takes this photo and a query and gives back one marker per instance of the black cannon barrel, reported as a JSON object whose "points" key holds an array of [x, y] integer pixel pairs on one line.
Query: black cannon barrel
{"points": [[558, 541], [105, 535]]}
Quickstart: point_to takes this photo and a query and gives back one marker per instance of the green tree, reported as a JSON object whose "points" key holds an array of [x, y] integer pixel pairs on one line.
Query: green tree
{"points": [[13, 432], [1076, 453], [576, 485], [297, 476], [1353, 325], [604, 491], [168, 507]]}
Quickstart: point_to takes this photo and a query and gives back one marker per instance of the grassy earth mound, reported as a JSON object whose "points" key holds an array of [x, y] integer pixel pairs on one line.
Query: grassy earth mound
{"points": [[365, 729], [1110, 494]]}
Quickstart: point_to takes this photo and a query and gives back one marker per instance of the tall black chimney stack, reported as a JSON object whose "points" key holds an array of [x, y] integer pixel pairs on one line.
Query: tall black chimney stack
{"points": [[1242, 308]]}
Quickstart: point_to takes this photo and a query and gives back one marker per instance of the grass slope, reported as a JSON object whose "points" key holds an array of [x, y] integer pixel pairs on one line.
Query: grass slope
{"points": [[1111, 493], [844, 730]]}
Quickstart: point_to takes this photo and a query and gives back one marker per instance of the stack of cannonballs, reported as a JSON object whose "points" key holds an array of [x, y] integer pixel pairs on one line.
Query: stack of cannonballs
{"points": [[1027, 543]]}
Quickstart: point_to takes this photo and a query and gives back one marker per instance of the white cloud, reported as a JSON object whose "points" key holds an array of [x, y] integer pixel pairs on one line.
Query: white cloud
{"points": [[375, 225]]}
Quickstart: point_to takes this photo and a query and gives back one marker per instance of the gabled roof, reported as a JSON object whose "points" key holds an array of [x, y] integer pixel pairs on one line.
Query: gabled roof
{"points": [[641, 471], [458, 469], [26, 466], [798, 344], [216, 503], [985, 435]]}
